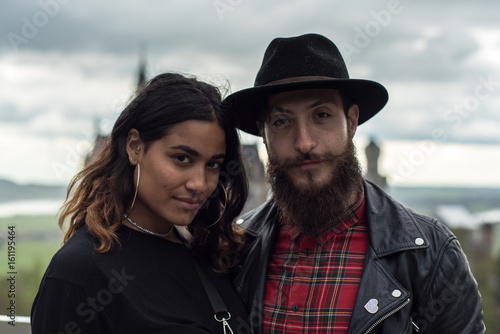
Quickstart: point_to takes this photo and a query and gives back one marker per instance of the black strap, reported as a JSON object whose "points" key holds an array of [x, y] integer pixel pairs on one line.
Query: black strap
{"points": [[220, 310]]}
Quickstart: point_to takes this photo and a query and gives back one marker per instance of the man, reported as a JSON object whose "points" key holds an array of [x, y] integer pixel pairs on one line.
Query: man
{"points": [[331, 252]]}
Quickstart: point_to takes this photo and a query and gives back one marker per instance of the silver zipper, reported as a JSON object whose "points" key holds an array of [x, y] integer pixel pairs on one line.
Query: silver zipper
{"points": [[415, 327], [387, 316]]}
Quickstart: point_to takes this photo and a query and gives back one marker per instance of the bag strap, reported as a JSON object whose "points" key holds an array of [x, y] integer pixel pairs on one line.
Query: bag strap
{"points": [[221, 314]]}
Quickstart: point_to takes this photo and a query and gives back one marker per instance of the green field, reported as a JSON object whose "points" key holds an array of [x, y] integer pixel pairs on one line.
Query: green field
{"points": [[37, 238], [31, 223]]}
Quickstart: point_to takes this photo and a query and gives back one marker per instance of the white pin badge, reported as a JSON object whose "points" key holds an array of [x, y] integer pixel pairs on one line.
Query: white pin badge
{"points": [[372, 306]]}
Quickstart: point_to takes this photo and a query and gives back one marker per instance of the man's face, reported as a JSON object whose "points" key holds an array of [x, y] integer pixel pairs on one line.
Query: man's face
{"points": [[303, 128]]}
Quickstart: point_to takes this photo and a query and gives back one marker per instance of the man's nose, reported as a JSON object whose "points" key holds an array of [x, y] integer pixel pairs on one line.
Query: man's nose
{"points": [[304, 138]]}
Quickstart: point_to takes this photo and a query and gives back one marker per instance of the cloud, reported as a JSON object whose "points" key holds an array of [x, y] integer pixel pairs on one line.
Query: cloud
{"points": [[438, 58], [33, 158], [11, 113], [443, 164], [80, 63]]}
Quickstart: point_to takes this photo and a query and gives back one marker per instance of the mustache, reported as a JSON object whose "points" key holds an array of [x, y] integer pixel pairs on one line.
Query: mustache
{"points": [[315, 208], [287, 163]]}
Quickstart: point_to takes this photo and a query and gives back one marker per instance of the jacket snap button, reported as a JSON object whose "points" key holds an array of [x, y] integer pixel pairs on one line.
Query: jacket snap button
{"points": [[295, 308], [396, 293], [307, 251], [419, 241]]}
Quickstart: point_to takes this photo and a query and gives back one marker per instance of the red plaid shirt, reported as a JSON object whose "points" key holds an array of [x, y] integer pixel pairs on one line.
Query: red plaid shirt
{"points": [[312, 283]]}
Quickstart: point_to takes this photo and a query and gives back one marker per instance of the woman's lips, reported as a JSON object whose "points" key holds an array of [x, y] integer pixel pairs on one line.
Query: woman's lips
{"points": [[189, 203]]}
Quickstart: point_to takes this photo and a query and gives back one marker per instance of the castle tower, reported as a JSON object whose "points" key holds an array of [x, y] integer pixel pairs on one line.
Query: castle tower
{"points": [[100, 138], [143, 48], [372, 152]]}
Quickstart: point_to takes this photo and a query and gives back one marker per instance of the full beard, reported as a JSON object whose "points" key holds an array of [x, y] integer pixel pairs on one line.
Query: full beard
{"points": [[317, 207]]}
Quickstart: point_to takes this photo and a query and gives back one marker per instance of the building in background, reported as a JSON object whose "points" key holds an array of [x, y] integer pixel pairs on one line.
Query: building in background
{"points": [[254, 167], [372, 152]]}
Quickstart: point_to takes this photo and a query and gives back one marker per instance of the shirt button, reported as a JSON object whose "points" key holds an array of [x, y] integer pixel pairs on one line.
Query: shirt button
{"points": [[295, 308], [307, 251], [419, 241], [396, 293]]}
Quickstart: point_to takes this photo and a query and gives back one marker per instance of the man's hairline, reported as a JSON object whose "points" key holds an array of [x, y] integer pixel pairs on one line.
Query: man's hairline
{"points": [[263, 113]]}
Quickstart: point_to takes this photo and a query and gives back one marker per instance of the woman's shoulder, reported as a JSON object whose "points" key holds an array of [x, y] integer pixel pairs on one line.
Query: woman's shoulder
{"points": [[76, 259], [80, 245]]}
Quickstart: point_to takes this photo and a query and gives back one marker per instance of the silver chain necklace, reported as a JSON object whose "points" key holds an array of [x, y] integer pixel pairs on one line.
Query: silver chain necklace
{"points": [[146, 230]]}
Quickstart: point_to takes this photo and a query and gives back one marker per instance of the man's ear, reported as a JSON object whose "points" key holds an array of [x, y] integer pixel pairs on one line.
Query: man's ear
{"points": [[352, 119], [135, 147]]}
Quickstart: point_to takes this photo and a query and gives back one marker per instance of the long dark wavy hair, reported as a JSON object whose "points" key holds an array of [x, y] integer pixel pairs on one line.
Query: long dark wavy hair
{"points": [[101, 193]]}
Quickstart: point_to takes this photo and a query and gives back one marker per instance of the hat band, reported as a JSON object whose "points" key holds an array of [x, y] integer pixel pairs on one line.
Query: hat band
{"points": [[299, 79]]}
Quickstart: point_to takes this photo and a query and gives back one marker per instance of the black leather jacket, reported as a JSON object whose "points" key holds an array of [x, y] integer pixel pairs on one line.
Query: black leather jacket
{"points": [[414, 268]]}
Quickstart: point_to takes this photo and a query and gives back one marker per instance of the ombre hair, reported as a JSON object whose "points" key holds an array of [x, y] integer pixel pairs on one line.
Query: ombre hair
{"points": [[99, 195]]}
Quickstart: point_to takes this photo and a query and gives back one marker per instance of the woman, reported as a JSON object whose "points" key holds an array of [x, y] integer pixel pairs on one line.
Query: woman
{"points": [[171, 170]]}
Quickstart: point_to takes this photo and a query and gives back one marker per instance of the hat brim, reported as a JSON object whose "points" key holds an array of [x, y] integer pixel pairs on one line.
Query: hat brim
{"points": [[370, 96]]}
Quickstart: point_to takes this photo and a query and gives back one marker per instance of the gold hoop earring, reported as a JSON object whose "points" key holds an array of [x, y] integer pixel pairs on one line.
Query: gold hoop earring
{"points": [[136, 186], [223, 208]]}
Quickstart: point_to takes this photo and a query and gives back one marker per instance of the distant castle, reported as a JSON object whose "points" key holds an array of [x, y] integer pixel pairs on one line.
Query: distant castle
{"points": [[372, 152]]}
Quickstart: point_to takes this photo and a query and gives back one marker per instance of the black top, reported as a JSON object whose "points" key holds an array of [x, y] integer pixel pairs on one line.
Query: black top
{"points": [[148, 285]]}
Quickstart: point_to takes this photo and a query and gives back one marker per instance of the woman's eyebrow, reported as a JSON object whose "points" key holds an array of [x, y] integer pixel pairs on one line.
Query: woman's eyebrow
{"points": [[195, 153], [187, 149], [219, 156]]}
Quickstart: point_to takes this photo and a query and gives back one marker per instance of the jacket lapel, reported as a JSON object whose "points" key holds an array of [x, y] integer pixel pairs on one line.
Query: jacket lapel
{"points": [[392, 229], [379, 296]]}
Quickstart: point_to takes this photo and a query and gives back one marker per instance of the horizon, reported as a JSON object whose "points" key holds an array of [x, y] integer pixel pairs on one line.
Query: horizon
{"points": [[478, 200], [404, 164]]}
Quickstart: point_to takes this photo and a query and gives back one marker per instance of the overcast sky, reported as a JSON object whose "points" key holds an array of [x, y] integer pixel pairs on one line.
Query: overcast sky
{"points": [[66, 63]]}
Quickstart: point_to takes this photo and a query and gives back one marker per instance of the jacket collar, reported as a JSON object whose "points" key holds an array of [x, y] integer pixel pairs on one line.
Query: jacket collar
{"points": [[391, 226], [255, 220]]}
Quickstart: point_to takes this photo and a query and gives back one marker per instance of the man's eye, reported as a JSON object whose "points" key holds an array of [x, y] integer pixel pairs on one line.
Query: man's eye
{"points": [[322, 115], [280, 122]]}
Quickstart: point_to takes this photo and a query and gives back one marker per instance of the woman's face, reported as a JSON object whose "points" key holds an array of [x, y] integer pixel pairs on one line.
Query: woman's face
{"points": [[178, 173]]}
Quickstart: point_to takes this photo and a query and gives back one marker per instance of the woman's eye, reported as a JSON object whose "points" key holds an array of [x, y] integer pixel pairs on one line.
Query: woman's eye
{"points": [[215, 164], [182, 158]]}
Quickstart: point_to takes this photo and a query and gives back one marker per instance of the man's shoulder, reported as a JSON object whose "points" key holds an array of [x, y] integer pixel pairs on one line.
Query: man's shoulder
{"points": [[254, 220], [381, 204]]}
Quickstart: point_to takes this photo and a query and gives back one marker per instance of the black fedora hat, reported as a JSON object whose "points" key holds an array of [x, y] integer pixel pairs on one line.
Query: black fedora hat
{"points": [[303, 62]]}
